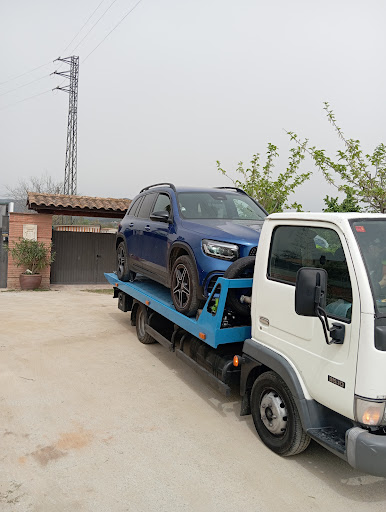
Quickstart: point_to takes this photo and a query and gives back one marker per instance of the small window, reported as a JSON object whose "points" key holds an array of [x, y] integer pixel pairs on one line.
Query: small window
{"points": [[162, 204], [145, 209], [295, 247], [134, 207]]}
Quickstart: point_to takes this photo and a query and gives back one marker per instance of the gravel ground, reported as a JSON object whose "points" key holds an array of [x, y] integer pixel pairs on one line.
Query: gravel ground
{"points": [[92, 420]]}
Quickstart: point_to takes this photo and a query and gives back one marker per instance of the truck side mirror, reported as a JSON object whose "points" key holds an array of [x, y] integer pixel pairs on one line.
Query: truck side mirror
{"points": [[310, 300], [310, 291]]}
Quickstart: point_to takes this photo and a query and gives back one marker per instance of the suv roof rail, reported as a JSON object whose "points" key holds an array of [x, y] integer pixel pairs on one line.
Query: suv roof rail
{"points": [[235, 188], [157, 185]]}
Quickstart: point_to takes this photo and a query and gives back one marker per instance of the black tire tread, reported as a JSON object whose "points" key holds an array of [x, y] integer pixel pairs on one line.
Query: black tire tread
{"points": [[300, 439], [195, 301], [235, 271]]}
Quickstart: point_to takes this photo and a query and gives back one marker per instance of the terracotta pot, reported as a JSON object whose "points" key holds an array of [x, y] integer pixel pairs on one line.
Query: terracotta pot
{"points": [[30, 281]]}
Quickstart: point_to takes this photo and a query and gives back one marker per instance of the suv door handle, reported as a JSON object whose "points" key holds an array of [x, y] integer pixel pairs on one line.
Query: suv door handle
{"points": [[147, 228], [131, 224]]}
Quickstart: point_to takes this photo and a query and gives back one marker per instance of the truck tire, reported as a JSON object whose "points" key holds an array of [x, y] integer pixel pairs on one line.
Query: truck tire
{"points": [[184, 286], [276, 417], [123, 271], [140, 325], [243, 267]]}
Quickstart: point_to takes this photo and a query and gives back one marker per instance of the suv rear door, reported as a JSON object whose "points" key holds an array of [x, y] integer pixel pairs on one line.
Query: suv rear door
{"points": [[155, 239]]}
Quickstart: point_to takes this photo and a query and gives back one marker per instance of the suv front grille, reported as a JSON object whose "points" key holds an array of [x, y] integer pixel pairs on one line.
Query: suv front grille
{"points": [[252, 252]]}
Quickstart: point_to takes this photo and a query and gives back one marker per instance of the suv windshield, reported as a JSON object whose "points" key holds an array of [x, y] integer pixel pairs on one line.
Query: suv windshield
{"points": [[371, 238], [218, 205]]}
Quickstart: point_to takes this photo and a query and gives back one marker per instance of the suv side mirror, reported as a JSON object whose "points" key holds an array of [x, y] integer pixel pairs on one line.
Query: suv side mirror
{"points": [[310, 291], [161, 216], [310, 300]]}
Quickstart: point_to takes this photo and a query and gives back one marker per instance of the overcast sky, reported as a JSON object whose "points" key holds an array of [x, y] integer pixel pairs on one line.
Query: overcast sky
{"points": [[182, 83]]}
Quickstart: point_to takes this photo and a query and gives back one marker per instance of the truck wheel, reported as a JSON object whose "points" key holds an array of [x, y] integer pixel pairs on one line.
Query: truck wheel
{"points": [[243, 267], [141, 321], [184, 286], [276, 417], [123, 271]]}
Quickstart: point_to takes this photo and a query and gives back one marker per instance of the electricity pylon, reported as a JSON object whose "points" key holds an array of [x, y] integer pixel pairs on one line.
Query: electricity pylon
{"points": [[70, 169]]}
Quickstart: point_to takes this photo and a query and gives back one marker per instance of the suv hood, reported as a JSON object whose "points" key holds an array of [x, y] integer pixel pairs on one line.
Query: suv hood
{"points": [[226, 230]]}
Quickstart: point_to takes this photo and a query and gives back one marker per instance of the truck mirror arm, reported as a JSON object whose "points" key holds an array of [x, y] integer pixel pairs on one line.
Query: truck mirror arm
{"points": [[336, 332]]}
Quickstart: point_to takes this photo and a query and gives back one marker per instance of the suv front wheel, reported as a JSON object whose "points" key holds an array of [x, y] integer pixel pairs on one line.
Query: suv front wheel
{"points": [[184, 286]]}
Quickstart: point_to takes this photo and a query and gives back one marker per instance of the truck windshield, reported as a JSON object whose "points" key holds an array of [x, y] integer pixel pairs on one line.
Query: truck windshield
{"points": [[371, 238], [218, 205]]}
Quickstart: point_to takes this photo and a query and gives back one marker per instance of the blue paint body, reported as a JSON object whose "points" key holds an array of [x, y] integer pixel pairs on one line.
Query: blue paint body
{"points": [[208, 323]]}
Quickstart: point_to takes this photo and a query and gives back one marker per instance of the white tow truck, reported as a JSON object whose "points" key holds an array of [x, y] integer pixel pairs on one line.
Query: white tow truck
{"points": [[310, 359]]}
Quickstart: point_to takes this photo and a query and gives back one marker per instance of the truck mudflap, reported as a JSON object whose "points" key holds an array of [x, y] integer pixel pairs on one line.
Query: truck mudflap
{"points": [[366, 451]]}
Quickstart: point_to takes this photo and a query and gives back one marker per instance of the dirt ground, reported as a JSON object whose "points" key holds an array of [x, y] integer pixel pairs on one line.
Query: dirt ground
{"points": [[92, 420]]}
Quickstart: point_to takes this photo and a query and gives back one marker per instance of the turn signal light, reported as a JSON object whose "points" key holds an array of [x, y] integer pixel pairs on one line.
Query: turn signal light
{"points": [[370, 412], [147, 302], [236, 361], [202, 336]]}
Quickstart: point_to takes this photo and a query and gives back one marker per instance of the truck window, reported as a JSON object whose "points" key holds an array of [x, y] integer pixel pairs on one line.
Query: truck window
{"points": [[293, 247]]}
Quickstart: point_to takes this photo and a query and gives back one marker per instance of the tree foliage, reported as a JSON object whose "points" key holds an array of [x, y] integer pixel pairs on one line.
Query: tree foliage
{"points": [[361, 176], [258, 180], [349, 204]]}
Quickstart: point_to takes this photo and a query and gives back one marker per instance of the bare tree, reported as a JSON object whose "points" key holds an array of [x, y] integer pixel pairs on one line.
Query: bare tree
{"points": [[43, 184]]}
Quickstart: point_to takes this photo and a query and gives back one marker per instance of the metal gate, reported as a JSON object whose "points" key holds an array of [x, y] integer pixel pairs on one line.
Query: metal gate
{"points": [[82, 258]]}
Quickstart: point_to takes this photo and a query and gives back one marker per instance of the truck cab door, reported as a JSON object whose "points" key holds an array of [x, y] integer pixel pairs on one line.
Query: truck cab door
{"points": [[327, 371]]}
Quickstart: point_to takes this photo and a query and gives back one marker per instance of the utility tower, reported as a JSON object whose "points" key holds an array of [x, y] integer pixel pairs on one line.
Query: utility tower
{"points": [[70, 169]]}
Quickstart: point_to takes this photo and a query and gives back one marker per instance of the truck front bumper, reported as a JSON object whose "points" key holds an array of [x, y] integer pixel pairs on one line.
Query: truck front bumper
{"points": [[365, 451]]}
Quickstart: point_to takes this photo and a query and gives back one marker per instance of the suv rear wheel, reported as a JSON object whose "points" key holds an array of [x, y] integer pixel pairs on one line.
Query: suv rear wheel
{"points": [[184, 286], [123, 271]]}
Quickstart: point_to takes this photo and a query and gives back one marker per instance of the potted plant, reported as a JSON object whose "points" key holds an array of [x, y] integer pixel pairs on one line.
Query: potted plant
{"points": [[34, 256]]}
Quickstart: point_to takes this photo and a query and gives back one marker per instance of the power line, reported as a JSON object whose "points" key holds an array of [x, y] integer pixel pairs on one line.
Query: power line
{"points": [[96, 23], [26, 73], [24, 85], [112, 30], [25, 99], [88, 19]]}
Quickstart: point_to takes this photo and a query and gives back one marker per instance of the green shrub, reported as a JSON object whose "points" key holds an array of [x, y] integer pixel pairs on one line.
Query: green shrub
{"points": [[32, 254]]}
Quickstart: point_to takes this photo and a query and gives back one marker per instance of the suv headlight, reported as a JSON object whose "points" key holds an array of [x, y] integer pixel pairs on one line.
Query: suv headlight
{"points": [[220, 250], [369, 412]]}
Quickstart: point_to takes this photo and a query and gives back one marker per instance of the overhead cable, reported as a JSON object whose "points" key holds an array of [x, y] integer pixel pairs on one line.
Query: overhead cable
{"points": [[25, 99], [88, 19], [24, 85], [96, 23], [26, 73], [112, 30]]}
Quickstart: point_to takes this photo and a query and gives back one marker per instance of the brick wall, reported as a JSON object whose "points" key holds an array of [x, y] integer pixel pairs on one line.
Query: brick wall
{"points": [[16, 221]]}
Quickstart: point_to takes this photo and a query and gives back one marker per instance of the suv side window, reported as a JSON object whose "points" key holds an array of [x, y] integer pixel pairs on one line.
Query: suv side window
{"points": [[131, 211], [293, 247], [145, 208], [163, 204]]}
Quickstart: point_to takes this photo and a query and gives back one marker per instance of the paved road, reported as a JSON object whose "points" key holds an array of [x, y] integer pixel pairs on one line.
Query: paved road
{"points": [[92, 420]]}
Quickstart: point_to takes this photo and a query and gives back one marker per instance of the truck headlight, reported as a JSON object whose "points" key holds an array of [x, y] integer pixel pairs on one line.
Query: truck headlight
{"points": [[220, 250], [369, 412]]}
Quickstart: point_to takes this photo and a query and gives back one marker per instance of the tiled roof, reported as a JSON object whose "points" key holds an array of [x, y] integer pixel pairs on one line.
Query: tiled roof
{"points": [[80, 204]]}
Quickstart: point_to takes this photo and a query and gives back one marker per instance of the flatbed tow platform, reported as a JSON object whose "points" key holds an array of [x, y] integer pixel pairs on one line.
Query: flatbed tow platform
{"points": [[206, 343]]}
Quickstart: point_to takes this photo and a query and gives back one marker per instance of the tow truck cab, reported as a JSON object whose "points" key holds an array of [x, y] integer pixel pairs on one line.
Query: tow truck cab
{"points": [[338, 385]]}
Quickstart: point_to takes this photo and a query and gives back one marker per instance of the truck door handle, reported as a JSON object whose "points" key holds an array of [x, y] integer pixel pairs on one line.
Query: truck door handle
{"points": [[131, 224], [147, 228]]}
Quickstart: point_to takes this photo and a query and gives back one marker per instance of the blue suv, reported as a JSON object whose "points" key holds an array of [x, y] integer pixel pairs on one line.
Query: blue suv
{"points": [[185, 238]]}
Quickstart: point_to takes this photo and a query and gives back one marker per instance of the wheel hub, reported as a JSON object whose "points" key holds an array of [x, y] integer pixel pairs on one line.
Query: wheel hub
{"points": [[121, 259], [273, 413], [181, 288]]}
